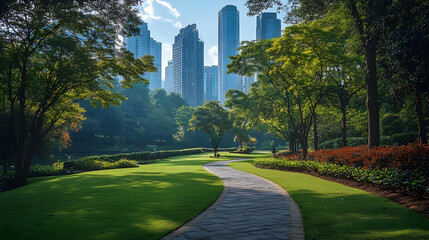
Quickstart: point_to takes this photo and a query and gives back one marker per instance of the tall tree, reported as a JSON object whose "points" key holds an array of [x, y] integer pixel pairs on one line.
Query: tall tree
{"points": [[55, 53], [367, 16], [212, 119]]}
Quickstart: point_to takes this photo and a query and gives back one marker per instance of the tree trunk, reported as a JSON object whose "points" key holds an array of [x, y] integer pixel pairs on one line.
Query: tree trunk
{"points": [[304, 144], [344, 127], [421, 118], [372, 94], [315, 138]]}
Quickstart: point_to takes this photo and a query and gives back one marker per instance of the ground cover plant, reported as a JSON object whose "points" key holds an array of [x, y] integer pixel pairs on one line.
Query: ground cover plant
{"points": [[146, 202], [404, 168], [334, 211]]}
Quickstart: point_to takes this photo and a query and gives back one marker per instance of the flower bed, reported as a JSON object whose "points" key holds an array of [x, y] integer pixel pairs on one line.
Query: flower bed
{"points": [[395, 167]]}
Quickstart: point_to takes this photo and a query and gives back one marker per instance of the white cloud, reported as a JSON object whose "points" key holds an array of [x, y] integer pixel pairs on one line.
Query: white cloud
{"points": [[213, 54], [173, 11], [148, 11], [178, 24]]}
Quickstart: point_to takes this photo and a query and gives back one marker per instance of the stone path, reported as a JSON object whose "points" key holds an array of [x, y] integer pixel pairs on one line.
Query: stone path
{"points": [[250, 207]]}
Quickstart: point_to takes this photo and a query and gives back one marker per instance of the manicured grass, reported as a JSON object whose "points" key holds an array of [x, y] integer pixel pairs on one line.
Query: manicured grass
{"points": [[334, 211], [133, 203]]}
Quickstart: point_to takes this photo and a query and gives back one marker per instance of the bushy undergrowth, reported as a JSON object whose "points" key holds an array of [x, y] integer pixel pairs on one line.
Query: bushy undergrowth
{"points": [[395, 167], [393, 179], [46, 170], [91, 164], [142, 156], [394, 139]]}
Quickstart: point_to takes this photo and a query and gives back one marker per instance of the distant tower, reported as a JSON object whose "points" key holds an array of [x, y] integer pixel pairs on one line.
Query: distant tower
{"points": [[145, 45], [211, 83], [169, 77], [228, 42], [139, 45], [155, 77], [188, 65], [267, 26]]}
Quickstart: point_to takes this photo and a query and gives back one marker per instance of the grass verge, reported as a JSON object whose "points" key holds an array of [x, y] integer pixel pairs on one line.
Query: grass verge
{"points": [[334, 211], [132, 203]]}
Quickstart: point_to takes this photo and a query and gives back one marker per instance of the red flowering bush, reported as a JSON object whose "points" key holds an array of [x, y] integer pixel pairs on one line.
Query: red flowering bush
{"points": [[394, 167], [397, 157]]}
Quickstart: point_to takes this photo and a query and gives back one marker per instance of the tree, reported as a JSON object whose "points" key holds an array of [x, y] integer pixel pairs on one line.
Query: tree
{"points": [[54, 54], [404, 55], [212, 119], [367, 17], [295, 66]]}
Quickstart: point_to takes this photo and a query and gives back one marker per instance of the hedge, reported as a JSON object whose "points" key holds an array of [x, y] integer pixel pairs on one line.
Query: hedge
{"points": [[407, 181], [142, 156]]}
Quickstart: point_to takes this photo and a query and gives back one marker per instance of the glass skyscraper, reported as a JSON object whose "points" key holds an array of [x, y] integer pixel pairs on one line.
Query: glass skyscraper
{"points": [[155, 77], [169, 77], [228, 42], [267, 26], [139, 45], [211, 83], [145, 45], [188, 65]]}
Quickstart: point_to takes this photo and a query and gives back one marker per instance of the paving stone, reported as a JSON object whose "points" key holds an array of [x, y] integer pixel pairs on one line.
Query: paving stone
{"points": [[253, 209]]}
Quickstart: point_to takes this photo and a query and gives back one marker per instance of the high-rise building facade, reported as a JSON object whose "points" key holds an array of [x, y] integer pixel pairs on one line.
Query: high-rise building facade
{"points": [[247, 81], [228, 42], [156, 52], [188, 65], [139, 45], [211, 83], [145, 45], [267, 26], [169, 77]]}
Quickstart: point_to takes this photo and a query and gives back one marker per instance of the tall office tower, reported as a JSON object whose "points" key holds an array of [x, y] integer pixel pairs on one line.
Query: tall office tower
{"points": [[246, 83], [267, 26], [210, 83], [169, 77], [139, 45], [228, 42], [156, 52], [188, 65]]}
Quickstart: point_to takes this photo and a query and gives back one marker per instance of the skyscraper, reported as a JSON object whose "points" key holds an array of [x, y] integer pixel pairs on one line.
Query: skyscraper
{"points": [[267, 26], [211, 83], [155, 77], [145, 45], [228, 42], [188, 65], [139, 45], [169, 77]]}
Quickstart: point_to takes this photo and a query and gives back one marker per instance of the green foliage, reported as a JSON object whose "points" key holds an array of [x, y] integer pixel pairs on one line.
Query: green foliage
{"points": [[46, 170], [92, 165], [394, 139], [212, 119], [393, 179], [140, 156]]}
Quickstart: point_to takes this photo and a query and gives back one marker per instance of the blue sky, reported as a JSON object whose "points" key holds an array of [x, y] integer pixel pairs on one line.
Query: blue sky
{"points": [[166, 17]]}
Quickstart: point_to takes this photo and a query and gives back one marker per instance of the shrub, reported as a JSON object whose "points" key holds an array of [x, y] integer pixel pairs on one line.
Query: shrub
{"points": [[46, 170], [407, 181], [142, 156], [395, 139], [124, 163]]}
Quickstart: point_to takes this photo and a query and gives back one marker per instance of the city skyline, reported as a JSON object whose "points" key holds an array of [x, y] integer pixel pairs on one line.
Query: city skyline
{"points": [[166, 19]]}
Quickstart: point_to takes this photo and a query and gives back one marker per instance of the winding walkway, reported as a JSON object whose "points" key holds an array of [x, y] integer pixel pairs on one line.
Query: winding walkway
{"points": [[250, 207]]}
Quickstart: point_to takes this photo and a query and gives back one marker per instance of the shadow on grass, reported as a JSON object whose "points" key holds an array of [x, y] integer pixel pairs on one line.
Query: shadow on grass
{"points": [[108, 204]]}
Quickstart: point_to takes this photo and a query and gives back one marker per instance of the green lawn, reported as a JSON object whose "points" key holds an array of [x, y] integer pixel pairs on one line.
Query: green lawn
{"points": [[133, 203], [334, 211]]}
